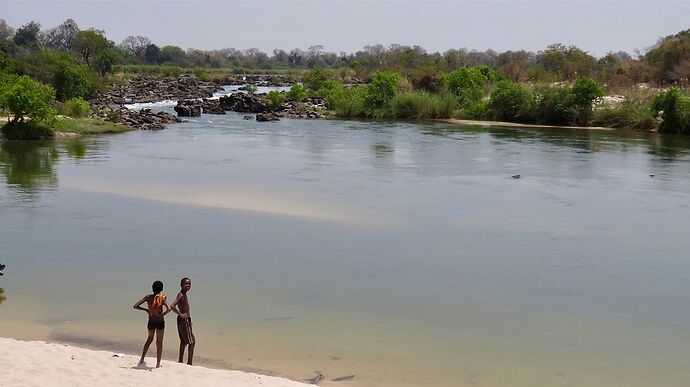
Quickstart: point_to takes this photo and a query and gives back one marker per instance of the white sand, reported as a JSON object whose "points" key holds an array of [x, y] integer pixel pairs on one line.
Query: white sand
{"points": [[36, 363]]}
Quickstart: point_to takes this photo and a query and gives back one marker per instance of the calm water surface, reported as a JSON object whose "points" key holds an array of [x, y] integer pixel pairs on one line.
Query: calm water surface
{"points": [[402, 253]]}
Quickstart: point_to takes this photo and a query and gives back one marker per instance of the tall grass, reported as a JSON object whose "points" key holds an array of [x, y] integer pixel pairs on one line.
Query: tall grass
{"points": [[421, 105]]}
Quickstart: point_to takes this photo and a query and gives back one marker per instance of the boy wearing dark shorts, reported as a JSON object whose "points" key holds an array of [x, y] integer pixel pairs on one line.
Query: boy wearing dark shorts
{"points": [[184, 320], [156, 324]]}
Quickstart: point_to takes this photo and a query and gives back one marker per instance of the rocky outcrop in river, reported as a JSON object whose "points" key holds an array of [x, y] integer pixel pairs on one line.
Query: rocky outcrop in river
{"points": [[143, 119], [139, 90]]}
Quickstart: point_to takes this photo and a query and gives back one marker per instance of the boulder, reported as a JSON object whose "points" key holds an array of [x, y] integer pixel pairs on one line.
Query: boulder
{"points": [[188, 108], [267, 117]]}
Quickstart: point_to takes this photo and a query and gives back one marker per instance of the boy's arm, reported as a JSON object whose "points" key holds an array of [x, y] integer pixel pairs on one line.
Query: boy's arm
{"points": [[173, 306], [167, 308], [138, 304]]}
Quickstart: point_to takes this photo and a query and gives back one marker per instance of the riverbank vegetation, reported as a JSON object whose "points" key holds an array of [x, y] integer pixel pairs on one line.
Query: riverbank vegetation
{"points": [[64, 66]]}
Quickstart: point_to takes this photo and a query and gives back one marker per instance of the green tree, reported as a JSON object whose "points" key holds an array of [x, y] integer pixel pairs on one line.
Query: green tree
{"points": [[89, 44], [584, 92], [28, 35], [104, 61], [510, 102], [152, 54], [61, 37], [23, 97], [72, 81], [674, 110], [381, 90], [468, 83]]}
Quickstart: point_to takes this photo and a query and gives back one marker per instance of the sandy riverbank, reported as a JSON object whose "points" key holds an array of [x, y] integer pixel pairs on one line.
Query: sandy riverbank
{"points": [[36, 363], [516, 125]]}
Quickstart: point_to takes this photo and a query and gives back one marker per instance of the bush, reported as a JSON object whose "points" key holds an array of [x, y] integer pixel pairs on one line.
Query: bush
{"points": [[72, 81], [468, 83], [379, 92], [511, 102], [275, 98], [583, 94], [348, 102], [418, 105], [674, 110], [477, 110], [26, 131], [75, 108], [296, 93], [629, 114], [552, 105], [24, 97]]}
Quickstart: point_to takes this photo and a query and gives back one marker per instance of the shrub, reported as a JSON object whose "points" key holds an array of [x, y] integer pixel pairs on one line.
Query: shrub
{"points": [[348, 102], [674, 110], [468, 83], [24, 97], [75, 108], [380, 91], [296, 93], [583, 93], [629, 114], [26, 131], [72, 81], [510, 102], [275, 98], [552, 105]]}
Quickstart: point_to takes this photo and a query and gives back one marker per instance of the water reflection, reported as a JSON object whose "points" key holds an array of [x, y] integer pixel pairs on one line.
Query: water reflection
{"points": [[2, 295], [666, 146], [28, 166]]}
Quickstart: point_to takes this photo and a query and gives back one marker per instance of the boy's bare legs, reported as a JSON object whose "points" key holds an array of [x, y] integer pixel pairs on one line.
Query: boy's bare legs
{"points": [[159, 346], [148, 342], [182, 346], [191, 353]]}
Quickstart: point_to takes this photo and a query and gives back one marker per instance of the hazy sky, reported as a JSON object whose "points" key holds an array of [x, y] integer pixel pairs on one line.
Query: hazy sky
{"points": [[597, 27]]}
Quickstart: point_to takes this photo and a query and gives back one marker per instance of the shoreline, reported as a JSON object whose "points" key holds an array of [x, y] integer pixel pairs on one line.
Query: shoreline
{"points": [[504, 124], [44, 363]]}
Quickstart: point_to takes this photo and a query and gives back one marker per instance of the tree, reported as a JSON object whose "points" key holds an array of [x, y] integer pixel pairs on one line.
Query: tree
{"points": [[381, 90], [584, 92], [62, 36], [135, 44], [172, 54], [674, 110], [6, 32], [71, 81], [23, 97], [467, 83], [104, 62], [510, 102], [152, 54], [27, 35], [88, 44]]}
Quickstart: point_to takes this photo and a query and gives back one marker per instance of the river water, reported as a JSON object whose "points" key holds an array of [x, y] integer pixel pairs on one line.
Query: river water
{"points": [[402, 253]]}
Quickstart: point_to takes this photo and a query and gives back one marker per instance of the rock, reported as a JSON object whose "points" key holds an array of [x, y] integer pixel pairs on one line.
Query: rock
{"points": [[247, 118], [188, 108], [245, 103], [211, 106], [267, 117], [143, 119]]}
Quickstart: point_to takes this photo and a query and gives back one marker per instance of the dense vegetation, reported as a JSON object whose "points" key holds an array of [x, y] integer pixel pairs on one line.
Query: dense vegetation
{"points": [[61, 67]]}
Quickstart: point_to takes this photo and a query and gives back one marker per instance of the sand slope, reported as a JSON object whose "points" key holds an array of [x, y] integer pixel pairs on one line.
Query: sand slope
{"points": [[36, 363]]}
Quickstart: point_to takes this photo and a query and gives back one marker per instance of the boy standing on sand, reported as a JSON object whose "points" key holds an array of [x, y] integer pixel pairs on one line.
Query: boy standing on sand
{"points": [[156, 324], [184, 320]]}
